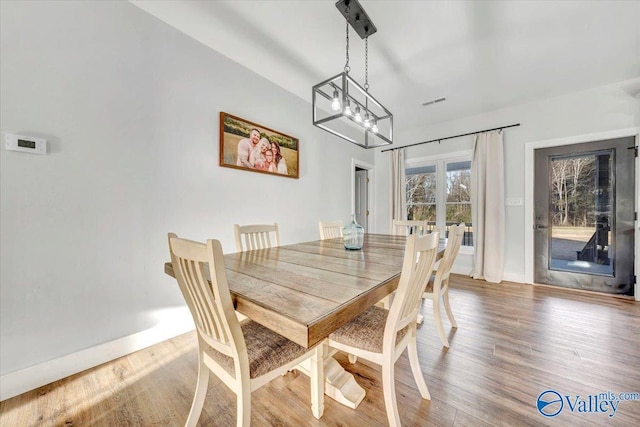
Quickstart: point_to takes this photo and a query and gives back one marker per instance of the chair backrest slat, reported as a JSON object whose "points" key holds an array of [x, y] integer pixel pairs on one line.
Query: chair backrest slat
{"points": [[407, 227], [208, 318], [419, 258], [189, 272], [330, 229], [257, 236]]}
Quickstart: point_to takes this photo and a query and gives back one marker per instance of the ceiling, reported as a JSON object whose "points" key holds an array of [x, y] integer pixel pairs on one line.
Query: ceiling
{"points": [[480, 55]]}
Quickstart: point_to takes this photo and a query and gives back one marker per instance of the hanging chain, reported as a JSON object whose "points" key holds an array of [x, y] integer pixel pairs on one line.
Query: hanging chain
{"points": [[366, 64], [346, 65]]}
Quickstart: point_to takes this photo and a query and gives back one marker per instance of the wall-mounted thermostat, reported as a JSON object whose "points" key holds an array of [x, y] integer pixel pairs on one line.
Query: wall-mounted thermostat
{"points": [[26, 144]]}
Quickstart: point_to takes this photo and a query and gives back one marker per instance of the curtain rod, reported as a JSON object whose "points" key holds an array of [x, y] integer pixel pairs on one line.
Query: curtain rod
{"points": [[450, 137]]}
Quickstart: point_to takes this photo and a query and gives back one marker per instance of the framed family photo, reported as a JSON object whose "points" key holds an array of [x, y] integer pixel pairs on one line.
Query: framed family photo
{"points": [[256, 148]]}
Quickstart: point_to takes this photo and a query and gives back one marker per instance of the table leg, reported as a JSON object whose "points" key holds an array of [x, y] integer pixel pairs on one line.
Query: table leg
{"points": [[317, 374], [339, 384]]}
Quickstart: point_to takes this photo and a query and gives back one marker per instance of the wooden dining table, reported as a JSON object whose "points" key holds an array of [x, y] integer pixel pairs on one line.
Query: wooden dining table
{"points": [[305, 291]]}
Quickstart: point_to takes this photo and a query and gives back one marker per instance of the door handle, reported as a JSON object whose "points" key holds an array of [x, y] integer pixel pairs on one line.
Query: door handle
{"points": [[539, 227]]}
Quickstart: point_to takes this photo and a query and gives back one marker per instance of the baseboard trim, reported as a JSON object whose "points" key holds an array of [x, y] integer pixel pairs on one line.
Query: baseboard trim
{"points": [[23, 380], [513, 277], [463, 271]]}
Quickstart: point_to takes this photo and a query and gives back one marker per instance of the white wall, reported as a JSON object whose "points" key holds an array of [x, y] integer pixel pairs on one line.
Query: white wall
{"points": [[130, 108], [600, 109]]}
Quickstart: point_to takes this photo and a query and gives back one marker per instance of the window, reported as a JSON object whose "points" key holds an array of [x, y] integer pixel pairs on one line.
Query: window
{"points": [[439, 191], [421, 193]]}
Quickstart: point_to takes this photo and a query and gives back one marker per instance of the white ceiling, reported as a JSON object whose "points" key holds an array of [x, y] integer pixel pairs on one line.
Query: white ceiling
{"points": [[480, 55]]}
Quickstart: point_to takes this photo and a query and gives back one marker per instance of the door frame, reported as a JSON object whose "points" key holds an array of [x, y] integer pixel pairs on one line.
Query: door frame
{"points": [[529, 149], [370, 193]]}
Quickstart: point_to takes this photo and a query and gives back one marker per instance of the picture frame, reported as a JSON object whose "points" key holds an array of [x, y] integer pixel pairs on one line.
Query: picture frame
{"points": [[253, 147]]}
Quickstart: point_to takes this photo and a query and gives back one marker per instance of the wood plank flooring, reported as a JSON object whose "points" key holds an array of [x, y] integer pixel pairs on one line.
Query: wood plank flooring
{"points": [[513, 342]]}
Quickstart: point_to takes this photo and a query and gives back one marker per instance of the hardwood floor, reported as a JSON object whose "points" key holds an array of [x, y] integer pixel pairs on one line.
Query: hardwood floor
{"points": [[513, 342]]}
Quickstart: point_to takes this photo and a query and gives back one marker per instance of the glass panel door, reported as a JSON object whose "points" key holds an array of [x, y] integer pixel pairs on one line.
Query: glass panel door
{"points": [[584, 216]]}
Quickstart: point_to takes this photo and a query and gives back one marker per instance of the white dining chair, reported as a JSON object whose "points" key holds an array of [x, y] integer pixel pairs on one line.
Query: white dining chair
{"points": [[330, 229], [438, 286], [401, 227], [407, 227], [257, 236], [380, 336], [245, 356]]}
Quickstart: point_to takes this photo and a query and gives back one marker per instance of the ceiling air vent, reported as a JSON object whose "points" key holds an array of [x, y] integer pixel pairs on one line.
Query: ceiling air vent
{"points": [[433, 101]]}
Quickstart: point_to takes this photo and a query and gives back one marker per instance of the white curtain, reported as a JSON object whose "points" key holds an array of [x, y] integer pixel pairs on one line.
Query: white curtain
{"points": [[398, 186], [487, 206]]}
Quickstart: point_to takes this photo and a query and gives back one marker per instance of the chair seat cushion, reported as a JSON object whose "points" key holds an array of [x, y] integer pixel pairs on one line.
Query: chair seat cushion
{"points": [[366, 331], [266, 350]]}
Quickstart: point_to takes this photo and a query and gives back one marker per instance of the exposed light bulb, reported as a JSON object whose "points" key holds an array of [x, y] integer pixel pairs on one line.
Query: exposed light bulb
{"points": [[367, 122], [347, 108], [374, 126], [335, 105], [358, 117]]}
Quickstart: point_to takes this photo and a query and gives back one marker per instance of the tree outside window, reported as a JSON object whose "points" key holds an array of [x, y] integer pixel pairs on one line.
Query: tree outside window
{"points": [[421, 194]]}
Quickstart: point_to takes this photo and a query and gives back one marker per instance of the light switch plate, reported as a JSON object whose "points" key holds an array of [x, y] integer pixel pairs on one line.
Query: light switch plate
{"points": [[514, 201]]}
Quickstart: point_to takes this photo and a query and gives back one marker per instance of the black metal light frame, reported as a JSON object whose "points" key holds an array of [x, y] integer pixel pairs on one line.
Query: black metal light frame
{"points": [[351, 93]]}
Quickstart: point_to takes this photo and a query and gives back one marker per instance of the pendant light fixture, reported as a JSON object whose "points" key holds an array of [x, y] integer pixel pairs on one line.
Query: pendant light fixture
{"points": [[343, 107]]}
